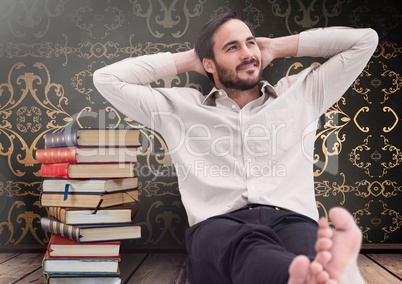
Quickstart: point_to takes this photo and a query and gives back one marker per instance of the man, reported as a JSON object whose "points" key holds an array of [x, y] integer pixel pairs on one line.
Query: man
{"points": [[244, 164]]}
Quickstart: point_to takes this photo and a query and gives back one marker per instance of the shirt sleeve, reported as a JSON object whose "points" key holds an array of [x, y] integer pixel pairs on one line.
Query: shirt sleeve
{"points": [[348, 50], [125, 84]]}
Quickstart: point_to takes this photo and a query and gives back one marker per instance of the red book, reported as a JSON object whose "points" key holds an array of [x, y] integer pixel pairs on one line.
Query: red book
{"points": [[65, 248], [77, 155], [96, 170]]}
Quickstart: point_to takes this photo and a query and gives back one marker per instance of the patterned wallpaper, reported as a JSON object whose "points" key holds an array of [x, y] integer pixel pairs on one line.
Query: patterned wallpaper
{"points": [[50, 49]]}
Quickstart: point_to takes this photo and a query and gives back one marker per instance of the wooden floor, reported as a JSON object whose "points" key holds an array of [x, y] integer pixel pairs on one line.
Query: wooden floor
{"points": [[170, 268]]}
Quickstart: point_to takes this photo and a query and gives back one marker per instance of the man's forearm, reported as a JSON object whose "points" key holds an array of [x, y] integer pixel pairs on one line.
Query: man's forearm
{"points": [[285, 46], [188, 61], [280, 47], [328, 42]]}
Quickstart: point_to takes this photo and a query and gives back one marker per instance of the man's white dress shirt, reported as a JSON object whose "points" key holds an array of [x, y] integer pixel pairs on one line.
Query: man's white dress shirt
{"points": [[227, 157]]}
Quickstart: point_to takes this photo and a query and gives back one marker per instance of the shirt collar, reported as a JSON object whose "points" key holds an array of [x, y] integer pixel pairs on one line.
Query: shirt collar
{"points": [[266, 89], [209, 100]]}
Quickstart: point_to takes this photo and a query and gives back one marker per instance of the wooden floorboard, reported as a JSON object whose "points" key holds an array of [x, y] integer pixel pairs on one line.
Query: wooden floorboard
{"points": [[374, 273], [166, 268], [6, 256], [169, 268], [35, 277], [19, 266], [391, 262], [129, 264]]}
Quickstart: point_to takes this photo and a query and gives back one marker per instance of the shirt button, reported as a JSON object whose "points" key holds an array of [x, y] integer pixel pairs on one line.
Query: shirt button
{"points": [[220, 93], [233, 107]]}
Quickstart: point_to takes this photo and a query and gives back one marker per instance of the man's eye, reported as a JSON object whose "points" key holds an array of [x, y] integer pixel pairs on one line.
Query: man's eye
{"points": [[231, 48]]}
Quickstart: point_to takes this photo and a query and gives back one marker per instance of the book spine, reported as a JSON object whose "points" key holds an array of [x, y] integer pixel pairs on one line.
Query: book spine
{"points": [[59, 213], [60, 229], [61, 139], [57, 155], [54, 170]]}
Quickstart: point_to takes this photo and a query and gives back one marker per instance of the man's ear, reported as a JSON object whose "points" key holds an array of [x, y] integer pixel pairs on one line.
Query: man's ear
{"points": [[209, 65]]}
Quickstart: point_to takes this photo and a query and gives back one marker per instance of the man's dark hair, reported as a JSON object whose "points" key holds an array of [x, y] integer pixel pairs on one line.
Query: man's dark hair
{"points": [[204, 43]]}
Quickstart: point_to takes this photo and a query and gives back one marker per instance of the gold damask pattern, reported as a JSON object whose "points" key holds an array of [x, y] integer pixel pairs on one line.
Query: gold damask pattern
{"points": [[173, 17], [30, 220], [306, 14], [95, 20], [377, 154], [47, 105], [50, 49]]}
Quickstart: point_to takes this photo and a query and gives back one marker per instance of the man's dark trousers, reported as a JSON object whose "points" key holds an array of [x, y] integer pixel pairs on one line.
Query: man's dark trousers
{"points": [[252, 245]]}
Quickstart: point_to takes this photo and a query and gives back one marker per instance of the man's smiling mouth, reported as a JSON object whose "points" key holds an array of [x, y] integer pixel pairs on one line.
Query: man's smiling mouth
{"points": [[251, 64]]}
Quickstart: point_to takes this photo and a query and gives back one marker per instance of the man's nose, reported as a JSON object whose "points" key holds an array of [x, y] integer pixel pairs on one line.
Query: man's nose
{"points": [[246, 53]]}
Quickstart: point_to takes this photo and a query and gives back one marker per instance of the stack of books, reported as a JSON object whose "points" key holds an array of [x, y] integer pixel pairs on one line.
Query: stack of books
{"points": [[89, 188]]}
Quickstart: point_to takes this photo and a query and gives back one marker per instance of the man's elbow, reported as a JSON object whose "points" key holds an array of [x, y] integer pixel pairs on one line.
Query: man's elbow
{"points": [[97, 77], [101, 78], [371, 39]]}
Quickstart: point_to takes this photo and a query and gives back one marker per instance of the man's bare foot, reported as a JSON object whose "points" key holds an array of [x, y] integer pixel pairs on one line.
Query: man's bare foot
{"points": [[301, 271], [337, 252], [345, 247]]}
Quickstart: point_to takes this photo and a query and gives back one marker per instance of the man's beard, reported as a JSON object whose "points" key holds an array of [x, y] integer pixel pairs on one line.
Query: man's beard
{"points": [[229, 79]]}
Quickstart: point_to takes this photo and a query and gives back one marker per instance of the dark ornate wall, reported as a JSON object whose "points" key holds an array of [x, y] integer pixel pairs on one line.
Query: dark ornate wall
{"points": [[50, 49]]}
